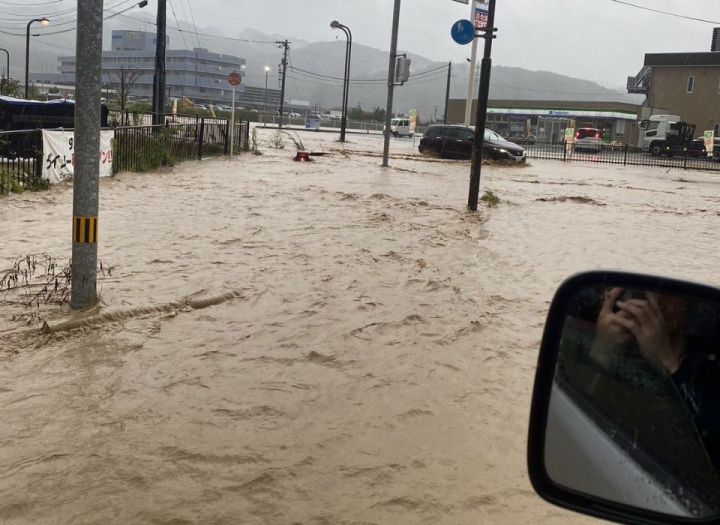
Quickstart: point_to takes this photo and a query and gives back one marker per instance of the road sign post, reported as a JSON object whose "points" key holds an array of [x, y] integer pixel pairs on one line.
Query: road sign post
{"points": [[463, 32], [484, 21], [234, 79]]}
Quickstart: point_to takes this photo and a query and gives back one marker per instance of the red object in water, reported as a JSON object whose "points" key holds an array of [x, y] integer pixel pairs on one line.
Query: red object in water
{"points": [[302, 156]]}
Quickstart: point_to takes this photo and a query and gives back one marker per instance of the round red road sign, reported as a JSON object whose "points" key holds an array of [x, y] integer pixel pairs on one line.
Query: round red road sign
{"points": [[234, 79]]}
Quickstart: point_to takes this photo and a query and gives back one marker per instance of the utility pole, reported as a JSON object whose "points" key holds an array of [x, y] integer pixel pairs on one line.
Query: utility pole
{"points": [[447, 92], [481, 112], [86, 180], [391, 81], [286, 45], [122, 89], [159, 77]]}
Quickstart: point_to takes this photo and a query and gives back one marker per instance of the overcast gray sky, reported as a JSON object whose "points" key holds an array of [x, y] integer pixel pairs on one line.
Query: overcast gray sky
{"points": [[599, 40]]}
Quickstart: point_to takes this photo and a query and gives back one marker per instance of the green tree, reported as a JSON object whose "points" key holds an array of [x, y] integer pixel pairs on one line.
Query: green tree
{"points": [[378, 114]]}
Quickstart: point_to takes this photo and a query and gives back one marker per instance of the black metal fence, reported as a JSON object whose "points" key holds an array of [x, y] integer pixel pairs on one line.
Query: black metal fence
{"points": [[144, 148], [624, 155], [136, 148], [20, 160]]}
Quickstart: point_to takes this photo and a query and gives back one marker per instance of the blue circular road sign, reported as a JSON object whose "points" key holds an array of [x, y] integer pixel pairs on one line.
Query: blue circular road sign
{"points": [[463, 32]]}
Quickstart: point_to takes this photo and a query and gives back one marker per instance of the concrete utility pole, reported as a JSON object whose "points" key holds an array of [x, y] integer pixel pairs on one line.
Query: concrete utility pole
{"points": [[481, 112], [286, 45], [87, 158], [159, 77], [391, 81], [447, 92]]}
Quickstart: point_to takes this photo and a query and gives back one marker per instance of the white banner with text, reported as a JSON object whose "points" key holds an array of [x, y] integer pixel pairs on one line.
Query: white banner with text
{"points": [[59, 155]]}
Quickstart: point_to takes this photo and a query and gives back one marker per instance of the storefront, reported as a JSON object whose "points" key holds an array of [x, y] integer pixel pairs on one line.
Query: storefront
{"points": [[548, 125], [547, 120]]}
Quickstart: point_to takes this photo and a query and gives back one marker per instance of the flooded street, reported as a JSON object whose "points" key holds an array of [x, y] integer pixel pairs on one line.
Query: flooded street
{"points": [[314, 343]]}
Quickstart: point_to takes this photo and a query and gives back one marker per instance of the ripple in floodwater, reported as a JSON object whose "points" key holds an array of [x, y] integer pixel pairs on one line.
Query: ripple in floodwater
{"points": [[320, 343]]}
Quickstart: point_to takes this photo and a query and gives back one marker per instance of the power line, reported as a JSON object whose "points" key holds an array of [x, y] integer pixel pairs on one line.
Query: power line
{"points": [[301, 75], [24, 4], [182, 34], [676, 15], [50, 33], [366, 80], [221, 37], [192, 19]]}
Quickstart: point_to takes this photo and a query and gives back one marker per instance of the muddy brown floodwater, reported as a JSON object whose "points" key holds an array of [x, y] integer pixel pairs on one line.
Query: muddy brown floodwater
{"points": [[314, 343]]}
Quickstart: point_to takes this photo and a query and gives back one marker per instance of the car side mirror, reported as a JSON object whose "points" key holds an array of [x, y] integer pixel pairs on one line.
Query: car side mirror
{"points": [[625, 417]]}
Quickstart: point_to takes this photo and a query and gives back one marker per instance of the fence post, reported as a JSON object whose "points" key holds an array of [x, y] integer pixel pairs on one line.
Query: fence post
{"points": [[202, 136], [564, 147], [685, 159], [114, 149], [227, 138], [625, 157], [39, 156]]}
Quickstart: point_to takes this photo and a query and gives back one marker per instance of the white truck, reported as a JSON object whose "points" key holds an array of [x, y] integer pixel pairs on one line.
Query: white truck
{"points": [[669, 135]]}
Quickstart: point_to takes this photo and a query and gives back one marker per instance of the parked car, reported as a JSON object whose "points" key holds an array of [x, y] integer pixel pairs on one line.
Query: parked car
{"points": [[457, 142], [521, 138], [588, 139], [400, 127]]}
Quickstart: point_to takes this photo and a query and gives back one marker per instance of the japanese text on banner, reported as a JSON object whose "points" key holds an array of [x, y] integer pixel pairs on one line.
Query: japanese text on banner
{"points": [[59, 155]]}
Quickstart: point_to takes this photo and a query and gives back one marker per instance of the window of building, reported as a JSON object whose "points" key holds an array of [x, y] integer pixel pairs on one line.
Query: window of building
{"points": [[690, 84]]}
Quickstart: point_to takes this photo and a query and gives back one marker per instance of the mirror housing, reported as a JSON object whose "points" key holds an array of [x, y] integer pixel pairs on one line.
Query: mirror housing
{"points": [[621, 488]]}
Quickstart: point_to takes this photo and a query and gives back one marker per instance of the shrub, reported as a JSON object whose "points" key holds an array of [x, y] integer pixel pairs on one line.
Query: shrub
{"points": [[490, 199]]}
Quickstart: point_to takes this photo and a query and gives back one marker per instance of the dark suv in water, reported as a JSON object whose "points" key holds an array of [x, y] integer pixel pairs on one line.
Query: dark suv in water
{"points": [[456, 142]]}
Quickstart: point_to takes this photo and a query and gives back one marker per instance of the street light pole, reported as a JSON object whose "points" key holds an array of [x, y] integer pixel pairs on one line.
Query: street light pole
{"points": [[346, 84], [44, 21], [7, 70], [267, 70]]}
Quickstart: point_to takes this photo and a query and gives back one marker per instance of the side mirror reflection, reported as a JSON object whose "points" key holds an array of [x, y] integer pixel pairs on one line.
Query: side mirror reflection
{"points": [[632, 414]]}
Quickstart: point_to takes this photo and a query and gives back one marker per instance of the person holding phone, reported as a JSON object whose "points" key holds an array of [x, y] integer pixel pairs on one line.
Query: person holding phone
{"points": [[659, 324]]}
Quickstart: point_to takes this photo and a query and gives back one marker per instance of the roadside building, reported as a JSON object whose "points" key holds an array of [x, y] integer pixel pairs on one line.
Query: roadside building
{"points": [[683, 84], [199, 74], [547, 119]]}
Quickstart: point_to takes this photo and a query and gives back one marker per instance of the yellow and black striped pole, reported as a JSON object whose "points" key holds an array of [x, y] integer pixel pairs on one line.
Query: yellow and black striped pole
{"points": [[85, 229], [86, 182]]}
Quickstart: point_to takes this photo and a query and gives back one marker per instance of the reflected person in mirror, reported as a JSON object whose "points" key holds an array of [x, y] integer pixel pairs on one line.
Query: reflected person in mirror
{"points": [[659, 325]]}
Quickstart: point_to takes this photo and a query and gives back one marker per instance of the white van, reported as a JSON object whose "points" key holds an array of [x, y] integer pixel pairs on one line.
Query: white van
{"points": [[401, 127]]}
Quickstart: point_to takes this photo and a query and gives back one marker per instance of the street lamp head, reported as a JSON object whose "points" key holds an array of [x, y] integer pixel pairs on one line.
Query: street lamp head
{"points": [[142, 4], [267, 68], [335, 24], [44, 21]]}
